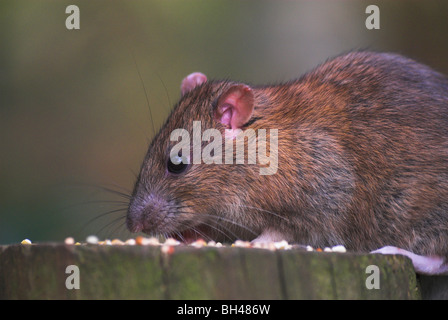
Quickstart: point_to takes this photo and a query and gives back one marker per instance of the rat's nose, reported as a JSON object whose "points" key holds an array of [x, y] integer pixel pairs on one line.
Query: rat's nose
{"points": [[133, 224], [145, 215], [140, 220], [135, 218]]}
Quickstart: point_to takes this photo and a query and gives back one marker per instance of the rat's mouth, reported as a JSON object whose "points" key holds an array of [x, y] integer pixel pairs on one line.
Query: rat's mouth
{"points": [[193, 234], [213, 232]]}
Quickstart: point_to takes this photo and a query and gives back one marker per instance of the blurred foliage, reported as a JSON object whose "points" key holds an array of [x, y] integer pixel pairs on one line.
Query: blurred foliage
{"points": [[74, 114]]}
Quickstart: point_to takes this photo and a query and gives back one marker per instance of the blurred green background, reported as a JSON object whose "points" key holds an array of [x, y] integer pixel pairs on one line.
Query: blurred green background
{"points": [[73, 111]]}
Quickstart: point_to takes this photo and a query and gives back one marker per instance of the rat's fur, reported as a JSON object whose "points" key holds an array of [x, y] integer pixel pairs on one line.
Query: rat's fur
{"points": [[362, 162]]}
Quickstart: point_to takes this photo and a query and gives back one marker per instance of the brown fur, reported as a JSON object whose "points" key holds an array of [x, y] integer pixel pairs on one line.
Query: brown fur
{"points": [[363, 162]]}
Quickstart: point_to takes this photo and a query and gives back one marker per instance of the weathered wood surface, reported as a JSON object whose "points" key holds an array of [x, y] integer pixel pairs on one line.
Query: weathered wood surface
{"points": [[145, 272]]}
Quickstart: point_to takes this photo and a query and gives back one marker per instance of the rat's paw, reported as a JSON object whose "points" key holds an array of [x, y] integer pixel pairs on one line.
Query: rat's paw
{"points": [[270, 235], [422, 264]]}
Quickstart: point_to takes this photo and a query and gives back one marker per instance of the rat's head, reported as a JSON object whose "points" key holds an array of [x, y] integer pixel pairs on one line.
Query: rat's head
{"points": [[179, 195]]}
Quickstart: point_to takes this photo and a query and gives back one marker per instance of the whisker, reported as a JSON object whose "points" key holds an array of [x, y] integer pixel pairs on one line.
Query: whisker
{"points": [[219, 230], [220, 218], [100, 216], [263, 210], [179, 235], [110, 223], [146, 94], [116, 192], [120, 204], [165, 236], [187, 198], [166, 90], [205, 237], [124, 203], [219, 227], [104, 188], [120, 225]]}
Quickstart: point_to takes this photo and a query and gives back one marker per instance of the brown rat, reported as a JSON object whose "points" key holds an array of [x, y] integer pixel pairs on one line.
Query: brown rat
{"points": [[362, 160]]}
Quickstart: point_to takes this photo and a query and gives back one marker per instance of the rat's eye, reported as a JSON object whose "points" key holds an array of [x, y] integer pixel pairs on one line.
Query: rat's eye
{"points": [[177, 164]]}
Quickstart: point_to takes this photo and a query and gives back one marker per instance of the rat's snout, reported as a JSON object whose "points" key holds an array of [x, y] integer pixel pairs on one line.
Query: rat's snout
{"points": [[146, 214], [134, 221]]}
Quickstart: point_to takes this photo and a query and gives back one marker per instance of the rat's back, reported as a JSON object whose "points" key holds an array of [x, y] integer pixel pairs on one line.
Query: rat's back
{"points": [[393, 118]]}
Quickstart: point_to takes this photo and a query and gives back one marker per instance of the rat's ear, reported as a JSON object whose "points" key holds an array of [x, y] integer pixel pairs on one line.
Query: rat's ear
{"points": [[235, 106], [191, 81]]}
